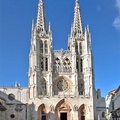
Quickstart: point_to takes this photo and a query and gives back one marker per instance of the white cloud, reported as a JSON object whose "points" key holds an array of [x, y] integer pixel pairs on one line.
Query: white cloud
{"points": [[116, 22], [118, 4]]}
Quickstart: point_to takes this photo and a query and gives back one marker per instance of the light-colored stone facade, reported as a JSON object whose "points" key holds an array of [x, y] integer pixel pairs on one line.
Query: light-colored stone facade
{"points": [[113, 104], [61, 82]]}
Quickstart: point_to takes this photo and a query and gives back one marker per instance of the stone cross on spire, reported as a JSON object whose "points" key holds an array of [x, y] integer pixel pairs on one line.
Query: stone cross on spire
{"points": [[41, 20], [77, 27]]}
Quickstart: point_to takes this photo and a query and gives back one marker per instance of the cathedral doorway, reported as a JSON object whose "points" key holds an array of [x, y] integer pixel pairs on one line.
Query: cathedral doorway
{"points": [[82, 112], [63, 116], [82, 117], [43, 117], [43, 112], [63, 110]]}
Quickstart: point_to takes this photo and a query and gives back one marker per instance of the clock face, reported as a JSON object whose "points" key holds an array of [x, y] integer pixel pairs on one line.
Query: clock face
{"points": [[11, 96]]}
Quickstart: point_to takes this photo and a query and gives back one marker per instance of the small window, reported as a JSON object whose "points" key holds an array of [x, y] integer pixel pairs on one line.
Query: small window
{"points": [[77, 64], [44, 87], [112, 105], [80, 88], [103, 114], [11, 96], [41, 46], [46, 47], [46, 64], [97, 97], [76, 48], [80, 49], [42, 64], [81, 65], [12, 116]]}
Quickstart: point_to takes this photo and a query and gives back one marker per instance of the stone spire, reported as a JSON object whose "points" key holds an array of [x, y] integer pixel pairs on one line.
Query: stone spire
{"points": [[77, 28], [41, 21]]}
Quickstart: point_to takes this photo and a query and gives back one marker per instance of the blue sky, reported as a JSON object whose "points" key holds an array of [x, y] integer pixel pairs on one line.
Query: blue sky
{"points": [[102, 16]]}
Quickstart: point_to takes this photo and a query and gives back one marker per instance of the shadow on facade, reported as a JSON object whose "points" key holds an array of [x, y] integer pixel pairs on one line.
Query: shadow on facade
{"points": [[11, 108]]}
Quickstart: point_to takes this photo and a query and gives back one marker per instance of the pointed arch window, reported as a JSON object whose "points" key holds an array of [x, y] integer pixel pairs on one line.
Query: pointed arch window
{"points": [[41, 46], [57, 64], [76, 48], [80, 45], [44, 63], [80, 88], [44, 91], [46, 47], [103, 114], [66, 65], [77, 64], [33, 91], [81, 65]]}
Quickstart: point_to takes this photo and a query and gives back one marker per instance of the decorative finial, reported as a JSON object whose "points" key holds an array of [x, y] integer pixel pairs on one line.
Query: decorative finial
{"points": [[49, 27], [41, 0]]}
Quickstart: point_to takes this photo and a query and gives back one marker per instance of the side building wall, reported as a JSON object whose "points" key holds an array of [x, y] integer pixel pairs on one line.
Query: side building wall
{"points": [[13, 103]]}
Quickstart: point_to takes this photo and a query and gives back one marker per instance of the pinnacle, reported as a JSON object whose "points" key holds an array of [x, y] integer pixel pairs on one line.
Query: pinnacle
{"points": [[41, 0], [77, 23]]}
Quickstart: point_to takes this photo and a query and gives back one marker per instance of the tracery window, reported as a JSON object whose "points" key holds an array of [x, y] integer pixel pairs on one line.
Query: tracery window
{"points": [[63, 85], [66, 65], [44, 63], [57, 64], [46, 47]]}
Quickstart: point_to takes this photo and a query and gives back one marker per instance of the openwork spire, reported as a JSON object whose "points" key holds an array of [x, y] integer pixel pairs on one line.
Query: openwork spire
{"points": [[77, 28], [41, 21]]}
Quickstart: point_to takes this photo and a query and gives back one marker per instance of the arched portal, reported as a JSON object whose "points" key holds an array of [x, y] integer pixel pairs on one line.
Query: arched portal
{"points": [[63, 110], [82, 112], [43, 112]]}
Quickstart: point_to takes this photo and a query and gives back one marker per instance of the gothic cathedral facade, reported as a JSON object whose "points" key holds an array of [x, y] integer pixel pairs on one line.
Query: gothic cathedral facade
{"points": [[61, 82]]}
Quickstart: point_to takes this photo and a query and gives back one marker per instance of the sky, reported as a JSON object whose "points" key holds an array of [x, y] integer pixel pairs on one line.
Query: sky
{"points": [[102, 16]]}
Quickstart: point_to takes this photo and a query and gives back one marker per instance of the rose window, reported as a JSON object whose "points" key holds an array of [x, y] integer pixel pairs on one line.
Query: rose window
{"points": [[62, 85]]}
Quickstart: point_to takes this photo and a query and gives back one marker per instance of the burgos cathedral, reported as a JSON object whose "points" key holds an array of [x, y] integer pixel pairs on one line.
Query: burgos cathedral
{"points": [[61, 82]]}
